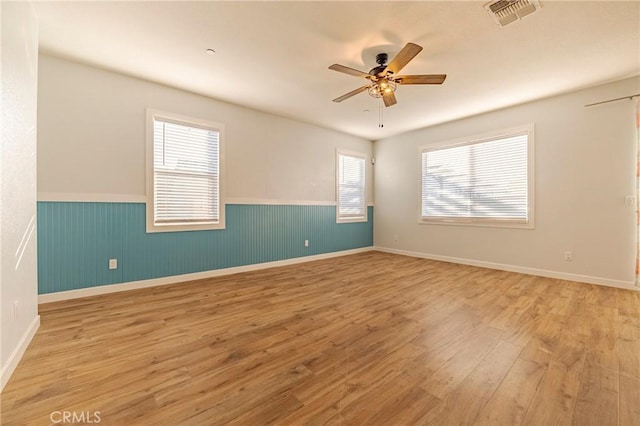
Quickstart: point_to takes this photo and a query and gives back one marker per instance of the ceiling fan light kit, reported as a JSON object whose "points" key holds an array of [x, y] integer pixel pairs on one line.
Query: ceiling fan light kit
{"points": [[384, 79], [382, 87]]}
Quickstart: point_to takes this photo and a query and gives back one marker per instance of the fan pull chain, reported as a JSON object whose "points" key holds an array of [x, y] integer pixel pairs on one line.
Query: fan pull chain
{"points": [[380, 116]]}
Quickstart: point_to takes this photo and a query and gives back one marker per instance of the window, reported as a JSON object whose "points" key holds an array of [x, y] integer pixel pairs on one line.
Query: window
{"points": [[184, 173], [350, 187], [486, 181]]}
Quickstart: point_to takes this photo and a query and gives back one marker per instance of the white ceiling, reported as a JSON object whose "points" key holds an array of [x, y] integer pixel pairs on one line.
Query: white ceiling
{"points": [[273, 56]]}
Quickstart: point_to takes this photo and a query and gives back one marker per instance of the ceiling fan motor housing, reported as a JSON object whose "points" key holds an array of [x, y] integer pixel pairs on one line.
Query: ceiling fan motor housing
{"points": [[381, 60]]}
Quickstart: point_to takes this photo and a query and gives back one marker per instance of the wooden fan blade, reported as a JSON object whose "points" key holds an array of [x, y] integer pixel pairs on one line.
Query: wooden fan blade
{"points": [[421, 79], [351, 93], [407, 53], [347, 70], [389, 99]]}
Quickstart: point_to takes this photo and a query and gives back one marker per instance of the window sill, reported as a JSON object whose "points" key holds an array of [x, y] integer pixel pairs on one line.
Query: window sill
{"points": [[351, 220], [514, 224], [153, 229]]}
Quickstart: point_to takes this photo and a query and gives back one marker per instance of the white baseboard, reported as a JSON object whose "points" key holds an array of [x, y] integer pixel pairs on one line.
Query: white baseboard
{"points": [[132, 285], [627, 285], [15, 357]]}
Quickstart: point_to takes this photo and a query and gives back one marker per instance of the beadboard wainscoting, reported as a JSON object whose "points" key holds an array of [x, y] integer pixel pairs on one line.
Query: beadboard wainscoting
{"points": [[77, 239]]}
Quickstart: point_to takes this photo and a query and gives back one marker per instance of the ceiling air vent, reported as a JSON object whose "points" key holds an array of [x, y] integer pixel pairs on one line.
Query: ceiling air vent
{"points": [[507, 11]]}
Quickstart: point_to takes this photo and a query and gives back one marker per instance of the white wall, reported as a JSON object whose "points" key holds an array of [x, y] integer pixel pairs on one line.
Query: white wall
{"points": [[18, 269], [92, 139], [584, 166]]}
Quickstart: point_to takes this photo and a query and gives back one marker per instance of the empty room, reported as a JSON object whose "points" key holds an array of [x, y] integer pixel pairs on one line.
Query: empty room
{"points": [[320, 212]]}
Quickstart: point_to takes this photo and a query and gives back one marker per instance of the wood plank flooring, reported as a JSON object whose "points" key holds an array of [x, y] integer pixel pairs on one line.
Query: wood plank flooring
{"points": [[367, 339]]}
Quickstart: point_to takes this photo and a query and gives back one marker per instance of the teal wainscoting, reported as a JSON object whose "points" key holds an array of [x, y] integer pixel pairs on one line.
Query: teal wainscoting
{"points": [[76, 240]]}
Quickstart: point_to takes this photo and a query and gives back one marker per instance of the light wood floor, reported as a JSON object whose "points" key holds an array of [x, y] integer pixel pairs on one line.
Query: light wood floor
{"points": [[373, 338]]}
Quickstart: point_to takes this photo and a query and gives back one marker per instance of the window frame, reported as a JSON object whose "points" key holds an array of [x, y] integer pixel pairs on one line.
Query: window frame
{"points": [[354, 154], [471, 140], [151, 226]]}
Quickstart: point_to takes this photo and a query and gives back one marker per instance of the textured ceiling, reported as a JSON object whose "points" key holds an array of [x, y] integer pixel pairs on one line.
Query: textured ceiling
{"points": [[273, 56]]}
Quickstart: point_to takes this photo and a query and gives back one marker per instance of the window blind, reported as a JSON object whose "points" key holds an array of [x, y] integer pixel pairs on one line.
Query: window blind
{"points": [[185, 174], [482, 181], [351, 193]]}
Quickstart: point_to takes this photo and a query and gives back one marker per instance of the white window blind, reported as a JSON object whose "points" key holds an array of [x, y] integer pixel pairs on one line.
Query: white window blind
{"points": [[351, 188], [186, 161], [483, 181]]}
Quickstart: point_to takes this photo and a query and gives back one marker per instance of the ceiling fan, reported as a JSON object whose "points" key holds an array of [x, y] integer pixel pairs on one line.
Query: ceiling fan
{"points": [[384, 79]]}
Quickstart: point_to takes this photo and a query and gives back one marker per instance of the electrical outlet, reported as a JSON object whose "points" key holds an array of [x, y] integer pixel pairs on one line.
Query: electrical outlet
{"points": [[629, 200], [113, 263], [306, 243], [568, 256], [395, 237]]}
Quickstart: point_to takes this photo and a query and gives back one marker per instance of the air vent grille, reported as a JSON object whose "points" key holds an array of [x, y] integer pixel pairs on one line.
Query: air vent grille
{"points": [[507, 11]]}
